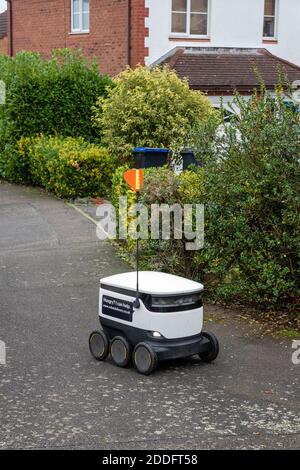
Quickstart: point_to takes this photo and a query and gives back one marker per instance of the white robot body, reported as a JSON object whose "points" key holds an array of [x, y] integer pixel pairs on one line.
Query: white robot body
{"points": [[163, 287], [164, 321]]}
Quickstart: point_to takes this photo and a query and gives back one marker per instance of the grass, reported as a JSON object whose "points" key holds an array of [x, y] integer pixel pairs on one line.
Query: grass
{"points": [[288, 333]]}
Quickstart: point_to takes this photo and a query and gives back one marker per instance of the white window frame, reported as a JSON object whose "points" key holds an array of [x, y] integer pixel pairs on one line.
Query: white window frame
{"points": [[187, 34], [270, 38], [80, 29]]}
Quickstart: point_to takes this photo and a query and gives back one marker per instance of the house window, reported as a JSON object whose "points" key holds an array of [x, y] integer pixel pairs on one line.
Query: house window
{"points": [[80, 16], [270, 15], [190, 17]]}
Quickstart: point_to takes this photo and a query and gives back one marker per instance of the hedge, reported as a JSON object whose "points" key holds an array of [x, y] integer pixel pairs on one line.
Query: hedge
{"points": [[68, 167], [49, 96]]}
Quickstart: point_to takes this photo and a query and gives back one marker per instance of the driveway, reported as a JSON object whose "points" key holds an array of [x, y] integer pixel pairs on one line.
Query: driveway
{"points": [[54, 395]]}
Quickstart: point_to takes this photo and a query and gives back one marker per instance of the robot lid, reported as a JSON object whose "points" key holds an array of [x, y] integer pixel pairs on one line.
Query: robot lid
{"points": [[155, 283]]}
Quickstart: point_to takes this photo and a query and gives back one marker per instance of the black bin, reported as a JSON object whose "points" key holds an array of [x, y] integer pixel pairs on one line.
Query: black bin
{"points": [[146, 157], [188, 158]]}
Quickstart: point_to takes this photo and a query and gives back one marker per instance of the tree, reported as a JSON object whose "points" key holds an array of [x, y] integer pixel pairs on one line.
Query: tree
{"points": [[149, 107]]}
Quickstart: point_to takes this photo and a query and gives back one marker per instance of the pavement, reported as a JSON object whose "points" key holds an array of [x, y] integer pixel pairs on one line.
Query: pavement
{"points": [[54, 395]]}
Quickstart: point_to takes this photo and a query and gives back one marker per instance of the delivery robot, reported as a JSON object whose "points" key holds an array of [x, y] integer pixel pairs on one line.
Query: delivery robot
{"points": [[160, 320]]}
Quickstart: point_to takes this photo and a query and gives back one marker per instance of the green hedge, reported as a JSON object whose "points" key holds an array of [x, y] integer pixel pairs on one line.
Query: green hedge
{"points": [[49, 97], [252, 194], [15, 162], [68, 167]]}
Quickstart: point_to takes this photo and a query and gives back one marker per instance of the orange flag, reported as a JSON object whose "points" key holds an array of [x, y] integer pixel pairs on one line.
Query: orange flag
{"points": [[135, 179]]}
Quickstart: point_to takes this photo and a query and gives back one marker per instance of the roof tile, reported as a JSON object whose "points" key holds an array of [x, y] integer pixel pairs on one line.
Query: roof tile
{"points": [[225, 70]]}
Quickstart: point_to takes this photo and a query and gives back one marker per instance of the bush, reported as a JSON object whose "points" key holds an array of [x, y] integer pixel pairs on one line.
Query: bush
{"points": [[49, 97], [68, 167], [161, 186], [251, 189], [15, 162], [166, 187], [191, 188], [149, 107], [252, 205]]}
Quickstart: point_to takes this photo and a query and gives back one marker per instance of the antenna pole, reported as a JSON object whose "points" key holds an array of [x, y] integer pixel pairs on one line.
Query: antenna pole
{"points": [[137, 303]]}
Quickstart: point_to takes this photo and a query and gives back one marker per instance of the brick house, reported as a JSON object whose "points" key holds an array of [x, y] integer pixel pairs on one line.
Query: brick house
{"points": [[3, 33], [113, 31], [213, 42]]}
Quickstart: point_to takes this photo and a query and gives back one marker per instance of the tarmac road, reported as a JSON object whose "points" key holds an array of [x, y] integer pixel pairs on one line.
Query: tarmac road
{"points": [[54, 395]]}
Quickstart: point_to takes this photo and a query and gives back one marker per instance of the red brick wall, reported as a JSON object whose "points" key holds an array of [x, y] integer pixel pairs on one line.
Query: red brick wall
{"points": [[4, 45], [43, 25]]}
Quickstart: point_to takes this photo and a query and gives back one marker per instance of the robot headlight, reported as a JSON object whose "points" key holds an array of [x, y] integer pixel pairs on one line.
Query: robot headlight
{"points": [[176, 302], [156, 334]]}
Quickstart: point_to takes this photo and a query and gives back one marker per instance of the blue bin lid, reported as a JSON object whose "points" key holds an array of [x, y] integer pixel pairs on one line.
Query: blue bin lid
{"points": [[149, 150]]}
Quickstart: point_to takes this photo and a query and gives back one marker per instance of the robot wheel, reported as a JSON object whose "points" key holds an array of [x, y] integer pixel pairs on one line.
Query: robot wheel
{"points": [[144, 358], [99, 345], [212, 354], [120, 351]]}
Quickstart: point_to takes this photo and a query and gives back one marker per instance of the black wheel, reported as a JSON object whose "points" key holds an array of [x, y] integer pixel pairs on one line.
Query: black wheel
{"points": [[212, 354], [144, 359], [120, 351], [99, 345]]}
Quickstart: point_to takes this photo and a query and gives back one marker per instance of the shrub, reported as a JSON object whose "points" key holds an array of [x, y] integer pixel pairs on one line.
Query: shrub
{"points": [[251, 189], [161, 186], [15, 162], [191, 188], [68, 167], [252, 205], [167, 187], [49, 97], [149, 107]]}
